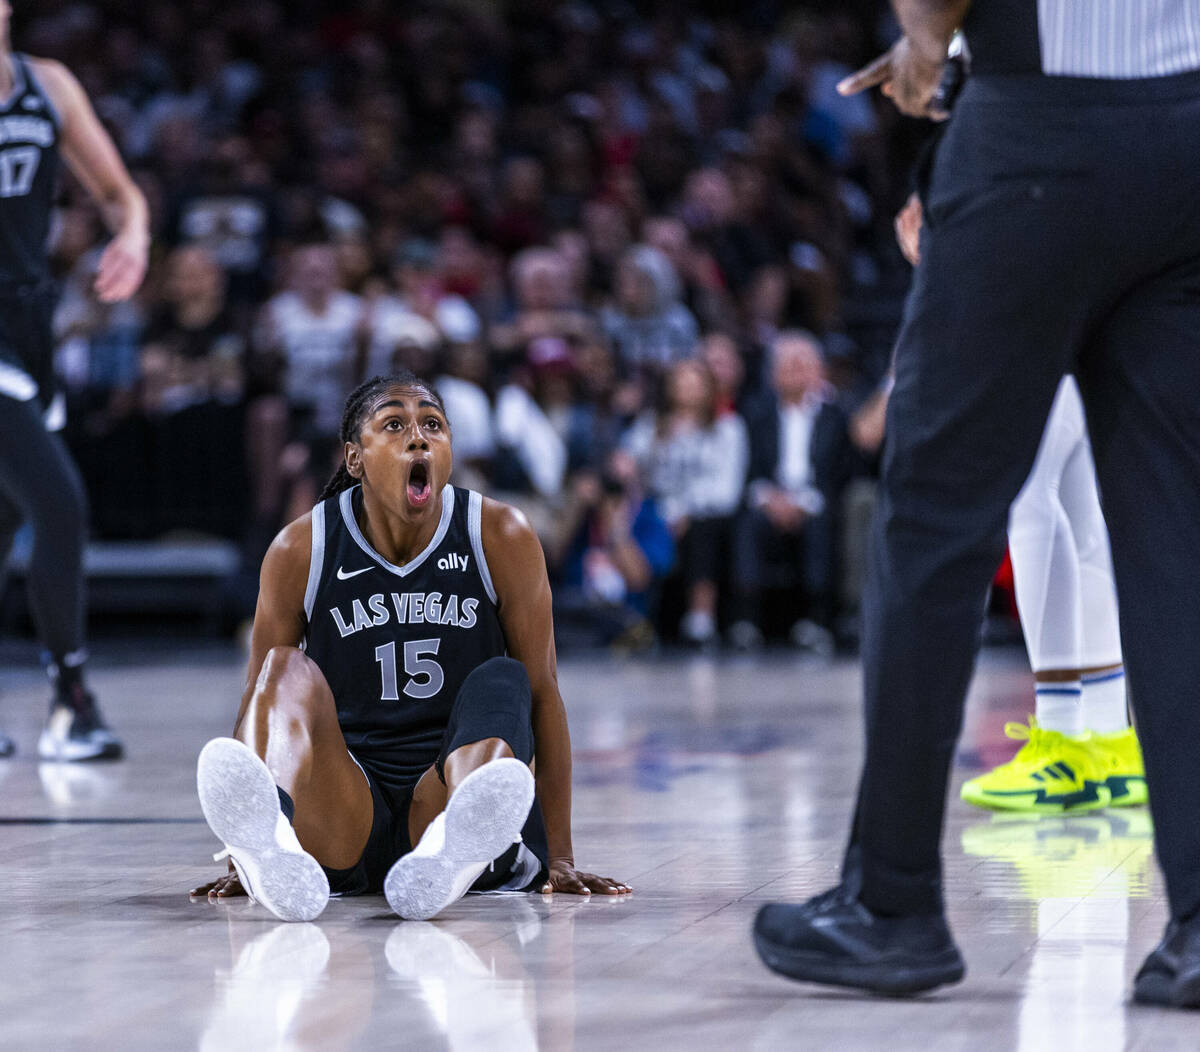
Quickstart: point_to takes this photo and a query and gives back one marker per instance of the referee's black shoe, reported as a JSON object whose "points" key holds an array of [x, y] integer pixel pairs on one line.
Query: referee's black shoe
{"points": [[7, 746], [835, 940], [1170, 975]]}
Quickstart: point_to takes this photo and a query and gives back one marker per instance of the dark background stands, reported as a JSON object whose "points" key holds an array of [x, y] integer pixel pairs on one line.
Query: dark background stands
{"points": [[449, 186]]}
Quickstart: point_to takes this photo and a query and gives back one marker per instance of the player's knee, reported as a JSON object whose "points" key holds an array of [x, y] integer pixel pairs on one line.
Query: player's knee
{"points": [[494, 702], [289, 680], [500, 679]]}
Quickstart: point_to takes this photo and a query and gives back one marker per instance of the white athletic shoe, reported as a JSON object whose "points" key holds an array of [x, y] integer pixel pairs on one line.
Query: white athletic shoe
{"points": [[241, 803], [76, 731], [484, 816]]}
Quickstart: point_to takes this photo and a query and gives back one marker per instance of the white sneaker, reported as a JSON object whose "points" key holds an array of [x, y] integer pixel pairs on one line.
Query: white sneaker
{"points": [[813, 639], [76, 731], [241, 803], [698, 628], [745, 636], [484, 816]]}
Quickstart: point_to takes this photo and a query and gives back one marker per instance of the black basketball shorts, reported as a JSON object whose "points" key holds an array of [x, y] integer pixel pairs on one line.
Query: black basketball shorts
{"points": [[493, 702]]}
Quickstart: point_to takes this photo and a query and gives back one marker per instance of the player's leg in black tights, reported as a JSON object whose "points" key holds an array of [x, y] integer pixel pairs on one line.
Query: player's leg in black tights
{"points": [[10, 522], [40, 484]]}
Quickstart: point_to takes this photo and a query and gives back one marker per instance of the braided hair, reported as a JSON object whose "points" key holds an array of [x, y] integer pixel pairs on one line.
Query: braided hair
{"points": [[354, 416]]}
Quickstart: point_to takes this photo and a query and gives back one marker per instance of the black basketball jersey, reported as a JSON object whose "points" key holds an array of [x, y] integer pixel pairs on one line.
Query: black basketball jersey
{"points": [[396, 642], [29, 134]]}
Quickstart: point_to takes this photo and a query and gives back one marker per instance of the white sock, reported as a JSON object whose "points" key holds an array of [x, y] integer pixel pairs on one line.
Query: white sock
{"points": [[1059, 707], [1104, 705]]}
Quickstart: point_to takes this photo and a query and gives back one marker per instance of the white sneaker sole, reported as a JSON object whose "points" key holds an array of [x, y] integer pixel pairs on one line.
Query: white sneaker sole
{"points": [[483, 817], [241, 804]]}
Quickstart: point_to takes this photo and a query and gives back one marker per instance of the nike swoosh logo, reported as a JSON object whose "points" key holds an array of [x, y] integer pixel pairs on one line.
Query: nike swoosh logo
{"points": [[343, 576]]}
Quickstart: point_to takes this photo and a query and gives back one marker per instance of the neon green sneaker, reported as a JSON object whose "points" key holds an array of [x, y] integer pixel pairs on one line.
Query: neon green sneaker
{"points": [[1120, 758], [1050, 774]]}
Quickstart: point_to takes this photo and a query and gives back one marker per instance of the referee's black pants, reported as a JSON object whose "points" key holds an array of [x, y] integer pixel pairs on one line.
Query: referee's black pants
{"points": [[1062, 232]]}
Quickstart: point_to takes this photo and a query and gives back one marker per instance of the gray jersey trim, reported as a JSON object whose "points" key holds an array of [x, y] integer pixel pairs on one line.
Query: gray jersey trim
{"points": [[475, 532], [19, 83], [16, 383], [36, 85], [316, 562], [347, 505]]}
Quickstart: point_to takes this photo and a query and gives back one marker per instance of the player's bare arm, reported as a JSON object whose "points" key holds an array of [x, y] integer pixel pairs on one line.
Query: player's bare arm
{"points": [[93, 159], [518, 570], [278, 622]]}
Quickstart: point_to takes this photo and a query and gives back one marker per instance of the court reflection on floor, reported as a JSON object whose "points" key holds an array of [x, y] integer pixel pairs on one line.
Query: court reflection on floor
{"points": [[1079, 875], [468, 984]]}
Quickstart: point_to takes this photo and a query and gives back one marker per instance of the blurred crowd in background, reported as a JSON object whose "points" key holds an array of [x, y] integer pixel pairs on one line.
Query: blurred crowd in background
{"points": [[644, 251]]}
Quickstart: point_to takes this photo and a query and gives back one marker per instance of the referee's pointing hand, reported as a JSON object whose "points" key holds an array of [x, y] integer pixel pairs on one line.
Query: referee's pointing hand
{"points": [[905, 76]]}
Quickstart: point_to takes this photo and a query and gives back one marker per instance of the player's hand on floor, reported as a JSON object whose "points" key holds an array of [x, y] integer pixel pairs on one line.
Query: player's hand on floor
{"points": [[566, 878], [225, 887]]}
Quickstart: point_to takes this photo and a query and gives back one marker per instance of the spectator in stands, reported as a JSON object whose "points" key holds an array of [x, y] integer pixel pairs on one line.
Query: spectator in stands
{"points": [[704, 291], [542, 302], [720, 353], [97, 344], [531, 458], [419, 291], [192, 391], [609, 552], [799, 464], [487, 183], [595, 422], [463, 387], [194, 337], [647, 324], [230, 211], [694, 463], [313, 335]]}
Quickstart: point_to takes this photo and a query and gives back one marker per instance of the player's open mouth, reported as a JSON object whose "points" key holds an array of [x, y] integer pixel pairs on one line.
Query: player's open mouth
{"points": [[419, 490]]}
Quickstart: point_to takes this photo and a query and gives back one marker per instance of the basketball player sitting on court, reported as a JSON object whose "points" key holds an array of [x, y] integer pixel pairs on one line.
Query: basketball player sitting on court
{"points": [[402, 680]]}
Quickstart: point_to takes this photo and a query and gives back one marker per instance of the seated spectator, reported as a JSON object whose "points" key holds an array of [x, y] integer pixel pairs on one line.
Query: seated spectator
{"points": [[595, 422], [647, 324], [230, 211], [704, 291], [609, 552], [799, 463], [531, 456], [192, 390], [463, 387], [543, 305], [311, 334], [96, 346], [194, 331], [720, 353], [398, 339], [419, 291], [694, 462]]}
